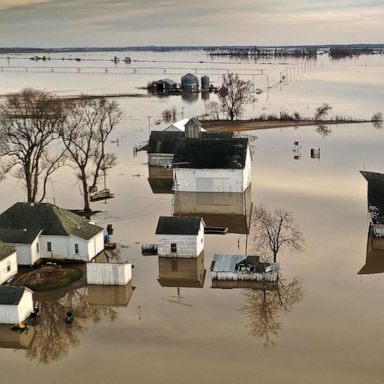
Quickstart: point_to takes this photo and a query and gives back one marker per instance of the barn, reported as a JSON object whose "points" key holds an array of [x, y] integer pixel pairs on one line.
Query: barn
{"points": [[180, 236], [8, 262], [212, 163], [16, 304]]}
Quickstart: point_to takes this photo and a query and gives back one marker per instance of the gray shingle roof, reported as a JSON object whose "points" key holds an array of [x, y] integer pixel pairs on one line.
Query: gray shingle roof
{"points": [[48, 218], [178, 225], [6, 250], [18, 236], [211, 152], [11, 295]]}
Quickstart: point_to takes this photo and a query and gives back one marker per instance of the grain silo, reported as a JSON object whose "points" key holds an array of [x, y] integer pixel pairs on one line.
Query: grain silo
{"points": [[205, 83], [189, 83]]}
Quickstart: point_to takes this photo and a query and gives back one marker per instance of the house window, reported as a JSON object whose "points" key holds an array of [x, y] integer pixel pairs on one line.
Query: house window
{"points": [[173, 247], [8, 266], [49, 246], [76, 247], [37, 247]]}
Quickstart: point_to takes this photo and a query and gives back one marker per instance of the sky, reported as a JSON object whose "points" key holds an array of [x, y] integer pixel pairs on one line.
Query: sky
{"points": [[74, 23]]}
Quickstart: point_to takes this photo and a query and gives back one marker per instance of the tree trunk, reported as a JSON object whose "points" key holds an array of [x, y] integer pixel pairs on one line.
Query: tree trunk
{"points": [[87, 207]]}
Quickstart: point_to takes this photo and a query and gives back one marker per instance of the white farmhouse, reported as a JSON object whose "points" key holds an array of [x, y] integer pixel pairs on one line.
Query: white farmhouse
{"points": [[26, 243], [212, 163], [16, 304], [185, 125], [62, 234], [180, 236], [8, 262]]}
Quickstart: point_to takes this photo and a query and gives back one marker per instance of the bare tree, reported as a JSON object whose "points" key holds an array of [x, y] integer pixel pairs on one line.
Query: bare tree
{"points": [[213, 110], [29, 122], [273, 231], [377, 120], [85, 132], [234, 94], [322, 111], [263, 307]]}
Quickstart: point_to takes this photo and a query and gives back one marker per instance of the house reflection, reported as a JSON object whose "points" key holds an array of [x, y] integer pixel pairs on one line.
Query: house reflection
{"points": [[374, 262], [182, 272], [160, 179], [13, 339], [50, 338], [218, 209]]}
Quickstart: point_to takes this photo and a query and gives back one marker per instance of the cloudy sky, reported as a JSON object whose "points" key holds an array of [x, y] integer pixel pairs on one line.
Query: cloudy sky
{"points": [[58, 23]]}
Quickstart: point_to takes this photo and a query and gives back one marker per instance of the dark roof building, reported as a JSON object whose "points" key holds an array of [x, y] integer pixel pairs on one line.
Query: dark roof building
{"points": [[211, 151], [18, 236], [48, 218], [11, 295], [375, 195], [6, 250], [178, 225], [164, 141]]}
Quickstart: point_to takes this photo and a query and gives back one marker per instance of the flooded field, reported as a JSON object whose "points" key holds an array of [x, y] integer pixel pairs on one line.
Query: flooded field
{"points": [[322, 324]]}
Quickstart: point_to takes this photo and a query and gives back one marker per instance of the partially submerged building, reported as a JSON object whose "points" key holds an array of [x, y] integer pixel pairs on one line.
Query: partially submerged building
{"points": [[190, 83], [242, 267], [164, 86], [212, 163], [61, 234], [180, 236], [16, 304], [186, 125], [8, 262]]}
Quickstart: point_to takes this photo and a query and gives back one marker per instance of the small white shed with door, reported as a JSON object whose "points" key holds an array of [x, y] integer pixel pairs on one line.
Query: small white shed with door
{"points": [[8, 262], [180, 236], [16, 304]]}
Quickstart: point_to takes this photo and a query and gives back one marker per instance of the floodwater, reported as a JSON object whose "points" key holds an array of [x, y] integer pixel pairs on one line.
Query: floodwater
{"points": [[174, 327]]}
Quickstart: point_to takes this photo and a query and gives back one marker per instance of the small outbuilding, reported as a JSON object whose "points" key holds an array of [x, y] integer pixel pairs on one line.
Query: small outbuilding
{"points": [[8, 262], [16, 304], [180, 236], [161, 147], [242, 267], [164, 86]]}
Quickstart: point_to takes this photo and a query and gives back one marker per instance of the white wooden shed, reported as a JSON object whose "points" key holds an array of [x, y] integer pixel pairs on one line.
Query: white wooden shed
{"points": [[16, 304], [8, 262], [180, 236], [109, 273]]}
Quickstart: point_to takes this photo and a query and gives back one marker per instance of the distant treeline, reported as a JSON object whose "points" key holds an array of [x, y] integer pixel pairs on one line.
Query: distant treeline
{"points": [[343, 52], [265, 52]]}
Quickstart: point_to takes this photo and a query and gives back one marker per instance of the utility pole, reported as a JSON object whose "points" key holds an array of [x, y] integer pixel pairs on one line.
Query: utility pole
{"points": [[149, 125]]}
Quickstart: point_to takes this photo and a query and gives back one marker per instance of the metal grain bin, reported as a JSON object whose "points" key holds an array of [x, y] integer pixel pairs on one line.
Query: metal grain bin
{"points": [[189, 83], [205, 83]]}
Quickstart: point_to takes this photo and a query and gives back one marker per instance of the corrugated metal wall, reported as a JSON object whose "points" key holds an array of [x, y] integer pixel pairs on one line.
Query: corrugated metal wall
{"points": [[108, 273]]}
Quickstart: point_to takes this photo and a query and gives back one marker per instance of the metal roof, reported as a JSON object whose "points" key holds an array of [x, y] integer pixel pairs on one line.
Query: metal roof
{"points": [[226, 263]]}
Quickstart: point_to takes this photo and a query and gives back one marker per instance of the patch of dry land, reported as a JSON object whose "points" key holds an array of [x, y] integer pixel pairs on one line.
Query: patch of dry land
{"points": [[48, 277], [253, 125]]}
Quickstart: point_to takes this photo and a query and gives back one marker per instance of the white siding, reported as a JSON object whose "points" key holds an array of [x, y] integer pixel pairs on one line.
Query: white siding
{"points": [[247, 172], [63, 247], [10, 263], [209, 180], [160, 159], [13, 314], [95, 245], [109, 273], [186, 245]]}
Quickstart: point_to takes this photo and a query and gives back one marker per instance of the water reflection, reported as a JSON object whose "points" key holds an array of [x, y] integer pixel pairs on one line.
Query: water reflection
{"points": [[51, 338], [374, 262], [182, 272], [264, 306], [323, 130], [228, 209], [190, 97], [160, 179]]}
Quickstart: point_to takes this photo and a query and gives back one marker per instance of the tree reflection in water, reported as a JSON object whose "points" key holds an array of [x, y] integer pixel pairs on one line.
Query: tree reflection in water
{"points": [[264, 306], [323, 130], [53, 337]]}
